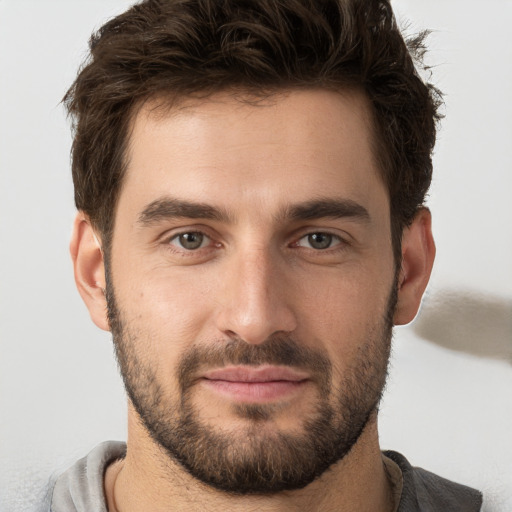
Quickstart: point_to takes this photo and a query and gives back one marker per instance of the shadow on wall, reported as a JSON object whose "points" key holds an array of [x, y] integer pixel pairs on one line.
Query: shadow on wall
{"points": [[468, 321]]}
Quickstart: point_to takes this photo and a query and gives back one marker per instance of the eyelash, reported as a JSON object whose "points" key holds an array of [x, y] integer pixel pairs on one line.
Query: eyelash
{"points": [[339, 242], [177, 236], [332, 238]]}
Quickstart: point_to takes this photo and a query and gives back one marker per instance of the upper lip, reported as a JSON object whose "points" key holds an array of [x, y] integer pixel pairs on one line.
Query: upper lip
{"points": [[256, 374]]}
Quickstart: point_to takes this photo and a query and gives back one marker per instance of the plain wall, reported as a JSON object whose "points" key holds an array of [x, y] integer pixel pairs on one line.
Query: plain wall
{"points": [[448, 404]]}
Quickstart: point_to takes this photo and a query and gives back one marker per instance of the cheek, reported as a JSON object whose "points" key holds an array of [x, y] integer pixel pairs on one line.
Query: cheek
{"points": [[171, 304], [346, 310]]}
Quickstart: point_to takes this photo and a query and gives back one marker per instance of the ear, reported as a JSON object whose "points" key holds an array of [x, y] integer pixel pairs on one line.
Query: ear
{"points": [[89, 269], [418, 253]]}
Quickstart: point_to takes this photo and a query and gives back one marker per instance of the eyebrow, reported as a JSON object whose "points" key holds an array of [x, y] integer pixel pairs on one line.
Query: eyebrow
{"points": [[333, 208], [168, 208]]}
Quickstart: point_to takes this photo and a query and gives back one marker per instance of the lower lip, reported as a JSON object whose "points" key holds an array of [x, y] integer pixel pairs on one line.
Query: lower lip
{"points": [[255, 392]]}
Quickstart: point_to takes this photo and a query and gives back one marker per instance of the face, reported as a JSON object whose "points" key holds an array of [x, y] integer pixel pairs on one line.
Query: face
{"points": [[251, 284]]}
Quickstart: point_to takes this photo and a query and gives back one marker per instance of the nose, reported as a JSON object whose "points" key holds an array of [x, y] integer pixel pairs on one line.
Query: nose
{"points": [[256, 302]]}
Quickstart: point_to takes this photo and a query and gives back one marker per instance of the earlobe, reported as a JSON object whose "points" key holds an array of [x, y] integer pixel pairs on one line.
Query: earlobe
{"points": [[89, 269], [418, 253]]}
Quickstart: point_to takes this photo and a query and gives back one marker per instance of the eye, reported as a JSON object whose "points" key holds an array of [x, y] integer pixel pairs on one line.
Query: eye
{"points": [[190, 241], [319, 241]]}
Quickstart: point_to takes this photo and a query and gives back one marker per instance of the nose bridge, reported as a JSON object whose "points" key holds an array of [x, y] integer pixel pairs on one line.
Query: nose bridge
{"points": [[256, 304], [256, 279]]}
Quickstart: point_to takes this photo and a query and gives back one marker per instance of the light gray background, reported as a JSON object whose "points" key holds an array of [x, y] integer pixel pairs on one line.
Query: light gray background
{"points": [[448, 405]]}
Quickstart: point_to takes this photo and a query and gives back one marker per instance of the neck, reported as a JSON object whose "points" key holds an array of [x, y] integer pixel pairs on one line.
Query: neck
{"points": [[147, 479]]}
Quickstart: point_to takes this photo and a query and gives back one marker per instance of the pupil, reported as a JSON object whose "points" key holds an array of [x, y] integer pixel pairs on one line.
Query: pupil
{"points": [[191, 240], [320, 240]]}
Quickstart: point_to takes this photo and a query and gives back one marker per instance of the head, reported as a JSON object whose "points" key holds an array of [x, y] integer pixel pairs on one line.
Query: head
{"points": [[256, 173]]}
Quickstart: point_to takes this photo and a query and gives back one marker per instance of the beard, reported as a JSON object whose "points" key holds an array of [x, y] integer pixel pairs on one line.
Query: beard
{"points": [[258, 458]]}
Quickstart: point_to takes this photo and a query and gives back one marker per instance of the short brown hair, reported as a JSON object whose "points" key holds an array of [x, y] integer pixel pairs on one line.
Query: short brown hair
{"points": [[183, 48]]}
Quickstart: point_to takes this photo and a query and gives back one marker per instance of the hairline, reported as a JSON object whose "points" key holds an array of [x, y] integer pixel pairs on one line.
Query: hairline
{"points": [[167, 103]]}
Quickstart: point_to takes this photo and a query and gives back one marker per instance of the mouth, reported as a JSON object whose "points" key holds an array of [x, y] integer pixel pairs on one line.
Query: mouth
{"points": [[260, 384]]}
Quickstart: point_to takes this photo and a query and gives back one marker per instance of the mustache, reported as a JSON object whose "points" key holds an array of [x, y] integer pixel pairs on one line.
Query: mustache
{"points": [[279, 350]]}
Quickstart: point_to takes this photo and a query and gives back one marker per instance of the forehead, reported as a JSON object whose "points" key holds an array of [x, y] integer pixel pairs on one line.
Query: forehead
{"points": [[295, 144]]}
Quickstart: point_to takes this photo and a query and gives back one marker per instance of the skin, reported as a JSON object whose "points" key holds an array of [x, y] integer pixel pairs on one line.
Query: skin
{"points": [[256, 275]]}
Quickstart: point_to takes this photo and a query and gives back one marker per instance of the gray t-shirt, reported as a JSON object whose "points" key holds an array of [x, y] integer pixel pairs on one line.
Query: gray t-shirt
{"points": [[80, 488]]}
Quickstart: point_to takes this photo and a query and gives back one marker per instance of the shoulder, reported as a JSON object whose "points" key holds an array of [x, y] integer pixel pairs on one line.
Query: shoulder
{"points": [[80, 487], [424, 491]]}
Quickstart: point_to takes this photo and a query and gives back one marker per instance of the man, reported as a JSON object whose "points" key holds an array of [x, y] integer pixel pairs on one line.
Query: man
{"points": [[250, 179]]}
